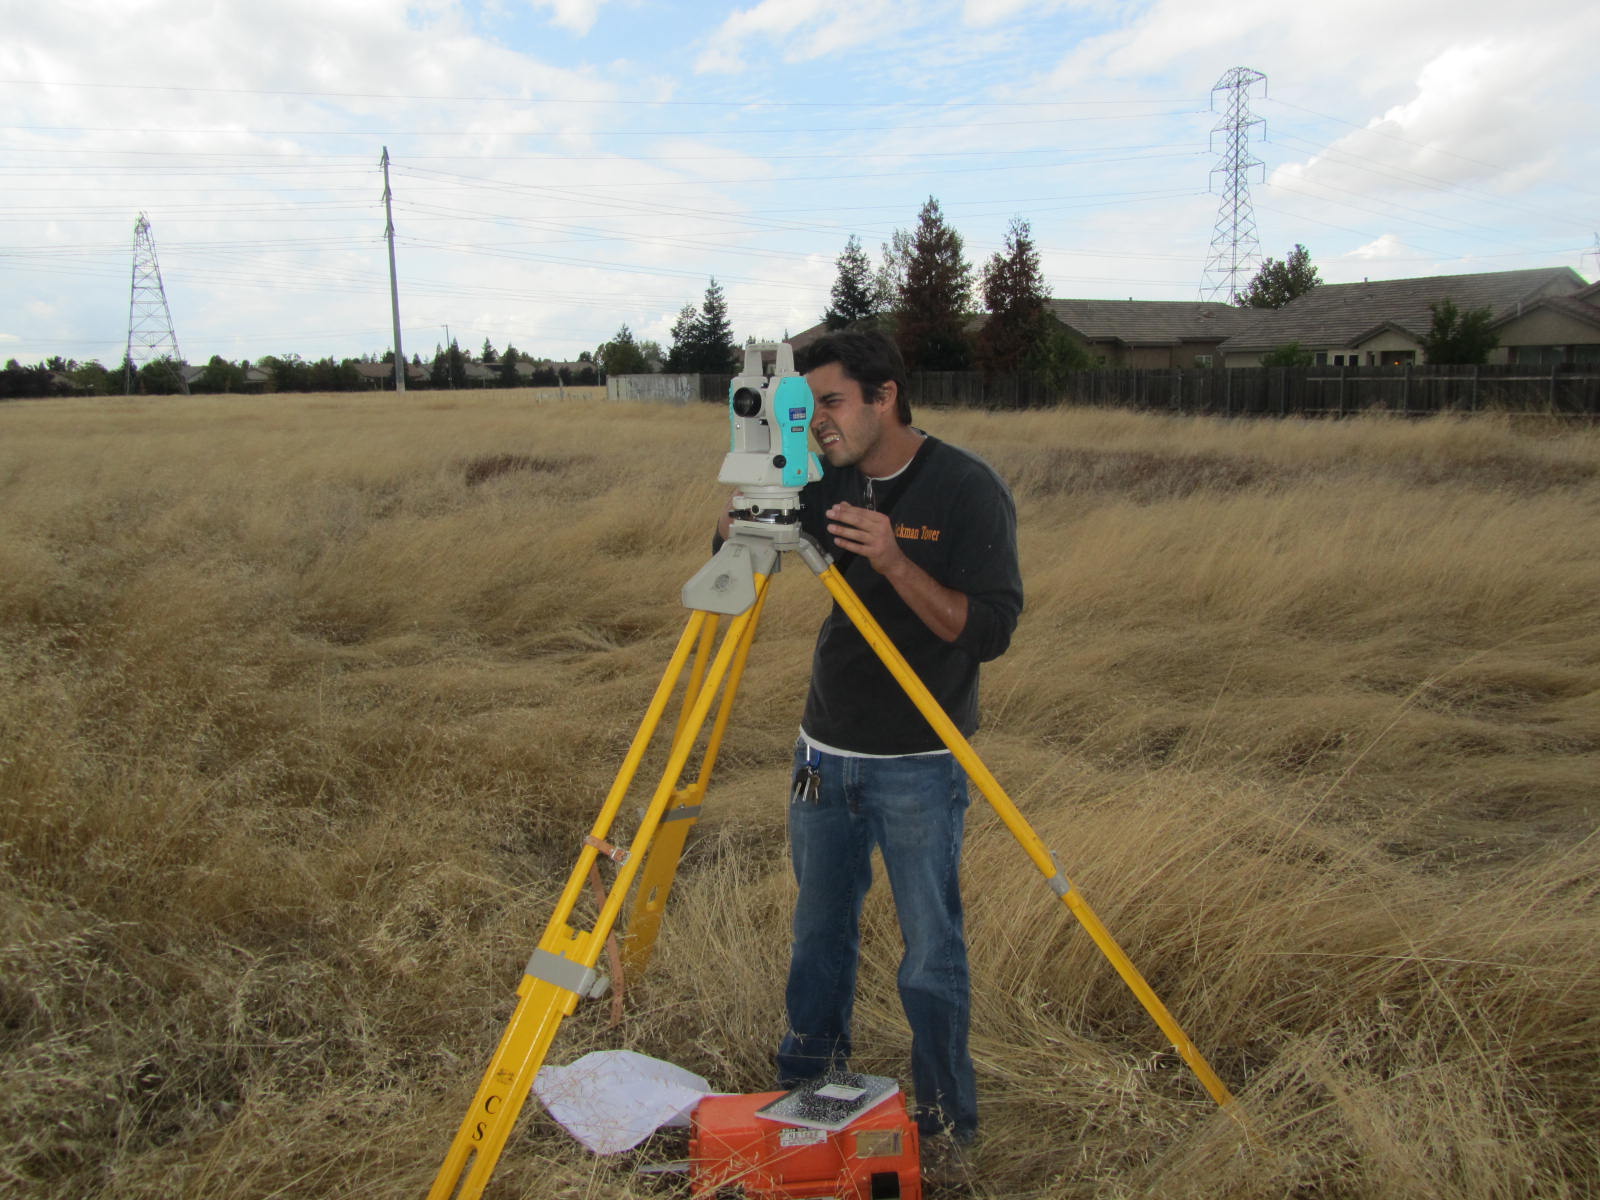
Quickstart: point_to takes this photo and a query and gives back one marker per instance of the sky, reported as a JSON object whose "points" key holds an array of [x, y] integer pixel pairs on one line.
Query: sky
{"points": [[561, 168]]}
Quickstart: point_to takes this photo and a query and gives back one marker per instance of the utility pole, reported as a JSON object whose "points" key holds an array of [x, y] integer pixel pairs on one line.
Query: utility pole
{"points": [[1234, 248], [150, 335], [394, 287]]}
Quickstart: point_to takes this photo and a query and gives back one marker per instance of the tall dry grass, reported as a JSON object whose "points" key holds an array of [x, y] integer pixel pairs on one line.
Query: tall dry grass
{"points": [[308, 702]]}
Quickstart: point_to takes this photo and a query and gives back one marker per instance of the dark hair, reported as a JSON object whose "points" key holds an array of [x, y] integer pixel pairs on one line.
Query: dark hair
{"points": [[871, 359]]}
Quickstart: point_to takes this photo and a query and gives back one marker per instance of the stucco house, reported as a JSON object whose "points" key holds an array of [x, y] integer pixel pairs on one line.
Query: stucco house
{"points": [[1382, 322], [1552, 330], [1153, 333]]}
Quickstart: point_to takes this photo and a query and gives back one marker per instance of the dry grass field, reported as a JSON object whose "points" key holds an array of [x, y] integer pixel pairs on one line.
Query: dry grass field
{"points": [[306, 703]]}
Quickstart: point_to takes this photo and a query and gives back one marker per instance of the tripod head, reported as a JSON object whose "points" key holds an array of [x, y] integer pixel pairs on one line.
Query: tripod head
{"points": [[769, 460]]}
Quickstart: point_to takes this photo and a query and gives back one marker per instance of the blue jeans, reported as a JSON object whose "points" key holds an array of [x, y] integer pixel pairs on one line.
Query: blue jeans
{"points": [[913, 809]]}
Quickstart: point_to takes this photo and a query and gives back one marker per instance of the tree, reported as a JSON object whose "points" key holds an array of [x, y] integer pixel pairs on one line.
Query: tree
{"points": [[853, 292], [220, 375], [715, 349], [683, 339], [508, 365], [161, 377], [94, 378], [1277, 283], [1459, 338], [703, 340], [1014, 293], [1289, 354], [936, 299], [1058, 353], [455, 365], [890, 280], [621, 355], [488, 354]]}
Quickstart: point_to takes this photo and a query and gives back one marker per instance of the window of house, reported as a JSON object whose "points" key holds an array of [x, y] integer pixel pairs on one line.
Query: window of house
{"points": [[1322, 358], [1202, 360]]}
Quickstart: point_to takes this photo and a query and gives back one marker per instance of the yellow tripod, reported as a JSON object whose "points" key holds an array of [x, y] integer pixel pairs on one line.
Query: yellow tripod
{"points": [[562, 969]]}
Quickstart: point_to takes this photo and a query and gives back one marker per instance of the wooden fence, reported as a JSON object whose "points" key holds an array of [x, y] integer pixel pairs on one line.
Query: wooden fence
{"points": [[1265, 391]]}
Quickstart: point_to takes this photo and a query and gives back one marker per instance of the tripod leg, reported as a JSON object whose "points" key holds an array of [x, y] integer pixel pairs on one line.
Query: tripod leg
{"points": [[561, 970], [655, 880], [986, 783]]}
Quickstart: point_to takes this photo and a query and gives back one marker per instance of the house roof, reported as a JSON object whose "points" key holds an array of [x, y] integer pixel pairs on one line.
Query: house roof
{"points": [[1152, 322], [1342, 314], [385, 370]]}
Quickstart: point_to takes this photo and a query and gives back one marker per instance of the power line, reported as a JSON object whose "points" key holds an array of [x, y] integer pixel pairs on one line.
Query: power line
{"points": [[487, 99]]}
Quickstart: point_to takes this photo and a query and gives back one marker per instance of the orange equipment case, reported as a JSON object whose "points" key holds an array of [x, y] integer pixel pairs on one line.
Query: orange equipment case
{"points": [[733, 1152]]}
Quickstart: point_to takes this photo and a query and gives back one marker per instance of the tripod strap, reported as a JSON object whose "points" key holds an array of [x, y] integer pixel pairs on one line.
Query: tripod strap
{"points": [[897, 487]]}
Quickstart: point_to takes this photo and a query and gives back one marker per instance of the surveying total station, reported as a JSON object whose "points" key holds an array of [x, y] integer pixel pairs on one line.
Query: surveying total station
{"points": [[768, 463]]}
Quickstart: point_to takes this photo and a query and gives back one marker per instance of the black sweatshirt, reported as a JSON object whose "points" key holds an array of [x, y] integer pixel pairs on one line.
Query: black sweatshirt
{"points": [[956, 520]]}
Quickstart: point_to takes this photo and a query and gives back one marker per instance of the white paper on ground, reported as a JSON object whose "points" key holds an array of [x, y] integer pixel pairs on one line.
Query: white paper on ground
{"points": [[611, 1100]]}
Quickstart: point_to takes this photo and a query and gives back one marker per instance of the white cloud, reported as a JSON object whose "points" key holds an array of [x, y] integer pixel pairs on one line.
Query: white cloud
{"points": [[576, 15], [804, 30], [1469, 117], [1387, 246]]}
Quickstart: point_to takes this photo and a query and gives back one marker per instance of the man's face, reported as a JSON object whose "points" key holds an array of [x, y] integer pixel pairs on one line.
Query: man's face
{"points": [[846, 426]]}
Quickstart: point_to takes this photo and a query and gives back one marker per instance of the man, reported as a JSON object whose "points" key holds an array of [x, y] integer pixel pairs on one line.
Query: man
{"points": [[925, 534]]}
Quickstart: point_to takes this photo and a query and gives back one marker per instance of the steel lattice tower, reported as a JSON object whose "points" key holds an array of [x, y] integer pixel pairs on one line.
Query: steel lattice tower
{"points": [[150, 334], [1234, 248]]}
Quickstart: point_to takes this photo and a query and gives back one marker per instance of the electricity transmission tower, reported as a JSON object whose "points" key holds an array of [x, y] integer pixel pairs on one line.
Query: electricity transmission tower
{"points": [[1234, 248], [150, 335]]}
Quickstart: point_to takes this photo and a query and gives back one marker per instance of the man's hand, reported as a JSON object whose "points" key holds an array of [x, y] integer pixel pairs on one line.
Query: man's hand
{"points": [[870, 535]]}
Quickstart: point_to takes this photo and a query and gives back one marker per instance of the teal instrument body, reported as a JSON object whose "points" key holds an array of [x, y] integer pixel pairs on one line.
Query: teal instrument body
{"points": [[769, 455], [791, 408]]}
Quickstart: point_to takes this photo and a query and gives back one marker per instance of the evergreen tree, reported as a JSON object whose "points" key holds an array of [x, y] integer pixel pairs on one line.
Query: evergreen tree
{"points": [[1459, 338], [937, 297], [456, 365], [621, 355], [488, 353], [1277, 283], [684, 333], [853, 291], [714, 345], [1014, 292], [508, 365]]}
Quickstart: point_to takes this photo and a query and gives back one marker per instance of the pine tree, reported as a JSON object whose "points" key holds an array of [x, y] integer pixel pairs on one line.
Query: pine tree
{"points": [[853, 289], [1277, 283], [715, 349], [488, 354], [937, 297], [1014, 292], [682, 352]]}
